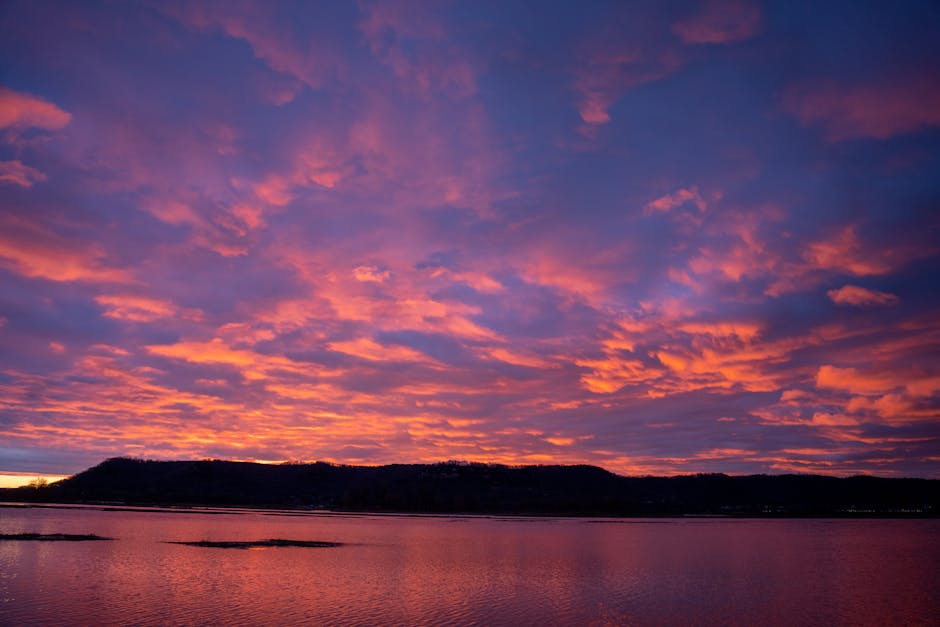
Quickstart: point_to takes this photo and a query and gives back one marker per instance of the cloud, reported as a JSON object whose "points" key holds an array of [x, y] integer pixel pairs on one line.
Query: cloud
{"points": [[720, 22], [36, 251], [843, 252], [393, 231], [676, 199], [608, 73], [251, 365], [840, 252], [615, 58], [861, 297], [876, 109], [369, 349], [16, 173], [418, 48], [139, 308], [309, 59], [882, 392], [670, 353], [370, 274], [23, 111], [854, 380]]}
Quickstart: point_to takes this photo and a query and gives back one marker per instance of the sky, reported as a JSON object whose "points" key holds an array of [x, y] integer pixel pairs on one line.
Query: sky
{"points": [[658, 237]]}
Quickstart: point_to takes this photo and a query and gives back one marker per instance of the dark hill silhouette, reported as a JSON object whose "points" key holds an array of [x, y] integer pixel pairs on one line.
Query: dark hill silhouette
{"points": [[481, 488]]}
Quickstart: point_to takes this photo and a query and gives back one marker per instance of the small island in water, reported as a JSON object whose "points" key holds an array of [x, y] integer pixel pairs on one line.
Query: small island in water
{"points": [[52, 537], [476, 488]]}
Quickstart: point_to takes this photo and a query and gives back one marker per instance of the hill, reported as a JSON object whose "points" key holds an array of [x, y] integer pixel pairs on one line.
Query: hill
{"points": [[481, 488]]}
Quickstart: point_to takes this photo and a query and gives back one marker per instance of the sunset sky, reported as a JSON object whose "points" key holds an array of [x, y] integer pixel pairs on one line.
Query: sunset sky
{"points": [[659, 237]]}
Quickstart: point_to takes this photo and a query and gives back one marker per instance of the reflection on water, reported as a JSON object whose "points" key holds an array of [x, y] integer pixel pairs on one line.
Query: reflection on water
{"points": [[433, 570]]}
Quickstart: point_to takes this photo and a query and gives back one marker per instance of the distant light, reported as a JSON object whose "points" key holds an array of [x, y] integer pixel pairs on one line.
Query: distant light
{"points": [[9, 479]]}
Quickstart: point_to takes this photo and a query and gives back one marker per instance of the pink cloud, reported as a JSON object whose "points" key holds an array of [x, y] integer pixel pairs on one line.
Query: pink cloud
{"points": [[593, 108], [307, 59], [737, 245], [405, 37], [21, 111], [370, 274], [407, 270], [611, 63], [35, 251], [746, 245], [676, 199], [16, 173], [608, 74], [315, 165], [720, 22], [370, 350], [878, 110], [860, 296], [141, 308], [843, 252]]}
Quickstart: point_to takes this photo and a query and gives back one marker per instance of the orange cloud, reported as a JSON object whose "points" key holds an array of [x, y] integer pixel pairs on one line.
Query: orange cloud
{"points": [[891, 407], [715, 356], [828, 419], [371, 350], [860, 296], [22, 111], [853, 380], [895, 389], [740, 248], [742, 330], [253, 365], [923, 386], [516, 358], [609, 375], [16, 173], [720, 22]]}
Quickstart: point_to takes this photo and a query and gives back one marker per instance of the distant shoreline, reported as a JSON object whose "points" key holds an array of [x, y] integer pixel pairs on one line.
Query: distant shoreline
{"points": [[599, 518], [451, 489]]}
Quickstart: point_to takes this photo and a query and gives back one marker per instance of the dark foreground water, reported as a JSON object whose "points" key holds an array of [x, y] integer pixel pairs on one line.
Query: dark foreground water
{"points": [[413, 570]]}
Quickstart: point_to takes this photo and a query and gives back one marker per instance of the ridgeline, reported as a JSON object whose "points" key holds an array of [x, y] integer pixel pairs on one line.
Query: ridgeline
{"points": [[458, 487]]}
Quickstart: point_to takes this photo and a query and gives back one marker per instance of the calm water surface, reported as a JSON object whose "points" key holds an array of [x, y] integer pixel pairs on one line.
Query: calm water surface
{"points": [[414, 570]]}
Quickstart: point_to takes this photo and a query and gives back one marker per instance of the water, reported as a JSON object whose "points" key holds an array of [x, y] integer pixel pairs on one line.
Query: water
{"points": [[414, 570]]}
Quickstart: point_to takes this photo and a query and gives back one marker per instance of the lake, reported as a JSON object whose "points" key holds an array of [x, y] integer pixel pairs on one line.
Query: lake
{"points": [[431, 570]]}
